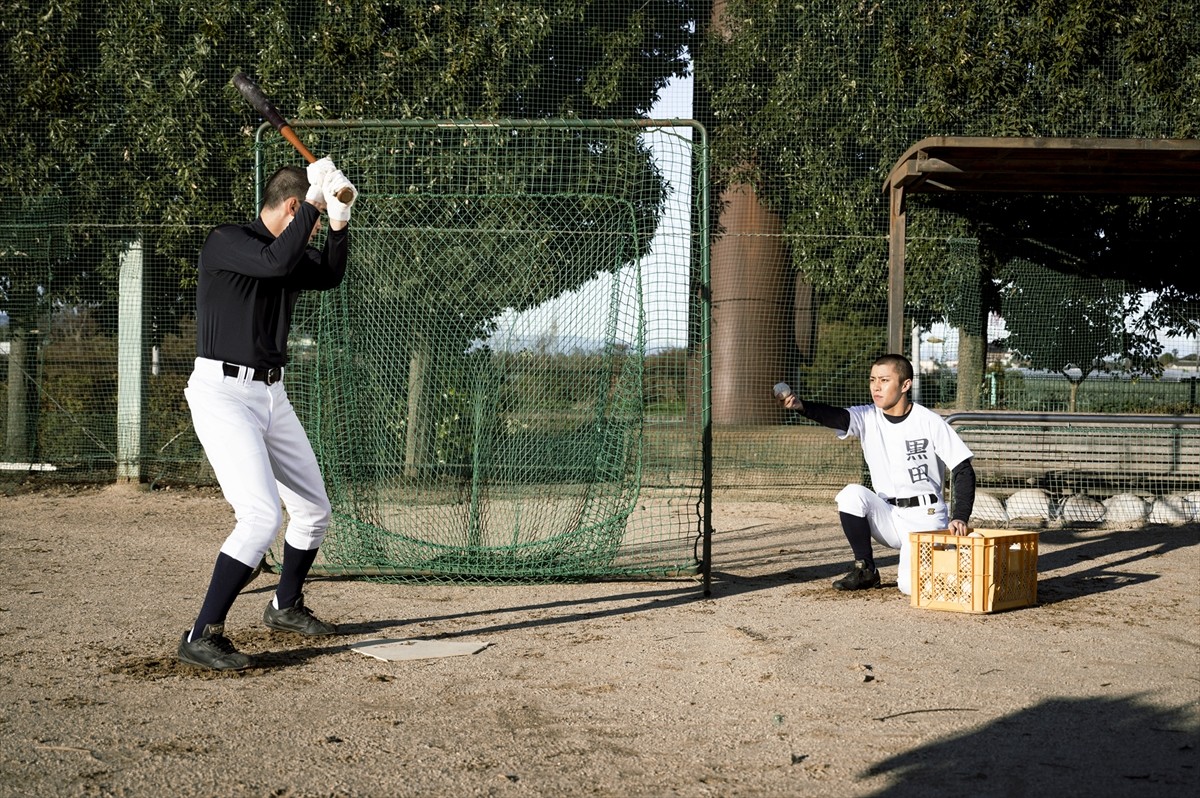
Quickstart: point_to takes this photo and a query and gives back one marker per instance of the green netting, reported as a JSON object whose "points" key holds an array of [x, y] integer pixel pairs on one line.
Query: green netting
{"points": [[1014, 303], [478, 388], [137, 133]]}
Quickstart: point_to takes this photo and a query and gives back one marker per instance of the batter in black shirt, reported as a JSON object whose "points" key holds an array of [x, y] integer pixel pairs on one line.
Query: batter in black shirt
{"points": [[250, 277], [250, 280]]}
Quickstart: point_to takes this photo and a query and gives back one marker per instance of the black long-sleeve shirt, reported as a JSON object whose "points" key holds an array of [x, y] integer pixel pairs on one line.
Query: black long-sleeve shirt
{"points": [[963, 475], [249, 281]]}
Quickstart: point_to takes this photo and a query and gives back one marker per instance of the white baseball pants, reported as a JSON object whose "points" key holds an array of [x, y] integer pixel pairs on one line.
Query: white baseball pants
{"points": [[261, 456], [891, 525]]}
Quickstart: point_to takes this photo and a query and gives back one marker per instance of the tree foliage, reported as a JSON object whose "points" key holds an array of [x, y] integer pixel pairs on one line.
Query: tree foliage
{"points": [[122, 123], [139, 126], [815, 101], [1096, 325], [805, 104]]}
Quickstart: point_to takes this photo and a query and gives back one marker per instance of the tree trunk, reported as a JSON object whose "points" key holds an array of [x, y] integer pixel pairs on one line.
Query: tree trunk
{"points": [[972, 347], [761, 311], [20, 439], [752, 306], [972, 352]]}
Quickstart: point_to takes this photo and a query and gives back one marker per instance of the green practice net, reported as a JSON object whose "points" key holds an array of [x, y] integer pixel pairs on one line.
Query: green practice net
{"points": [[477, 388]]}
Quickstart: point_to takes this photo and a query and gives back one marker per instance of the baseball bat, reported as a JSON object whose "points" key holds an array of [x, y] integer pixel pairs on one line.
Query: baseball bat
{"points": [[267, 110]]}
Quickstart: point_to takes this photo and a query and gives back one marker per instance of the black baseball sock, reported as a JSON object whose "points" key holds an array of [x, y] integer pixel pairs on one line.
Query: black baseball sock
{"points": [[296, 563], [228, 579], [858, 532]]}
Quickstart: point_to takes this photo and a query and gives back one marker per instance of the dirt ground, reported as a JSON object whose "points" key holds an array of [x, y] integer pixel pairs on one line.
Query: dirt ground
{"points": [[774, 685]]}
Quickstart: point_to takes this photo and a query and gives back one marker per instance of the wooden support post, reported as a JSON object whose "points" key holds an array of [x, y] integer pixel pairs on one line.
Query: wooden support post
{"points": [[896, 236]]}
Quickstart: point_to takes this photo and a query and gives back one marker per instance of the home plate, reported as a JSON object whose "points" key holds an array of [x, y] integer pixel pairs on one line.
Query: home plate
{"points": [[392, 650]]}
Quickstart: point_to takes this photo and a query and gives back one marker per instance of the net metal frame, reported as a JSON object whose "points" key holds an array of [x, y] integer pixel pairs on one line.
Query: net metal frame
{"points": [[404, 535]]}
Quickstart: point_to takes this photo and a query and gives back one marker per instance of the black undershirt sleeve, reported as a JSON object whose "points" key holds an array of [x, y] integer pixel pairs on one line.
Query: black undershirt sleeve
{"points": [[827, 415], [963, 477]]}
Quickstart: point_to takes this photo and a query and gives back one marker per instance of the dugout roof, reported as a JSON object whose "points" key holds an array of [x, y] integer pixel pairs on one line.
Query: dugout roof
{"points": [[949, 164], [1137, 167]]}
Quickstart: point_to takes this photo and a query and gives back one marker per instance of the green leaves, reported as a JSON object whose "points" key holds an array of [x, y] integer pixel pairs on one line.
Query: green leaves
{"points": [[126, 109], [1095, 327], [814, 102]]}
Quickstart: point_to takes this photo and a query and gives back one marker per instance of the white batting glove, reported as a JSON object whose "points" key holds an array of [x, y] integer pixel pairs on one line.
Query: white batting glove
{"points": [[317, 172], [335, 184]]}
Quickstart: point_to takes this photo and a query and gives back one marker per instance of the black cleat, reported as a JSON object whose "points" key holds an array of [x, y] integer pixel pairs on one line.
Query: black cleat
{"points": [[297, 618], [861, 578], [212, 650]]}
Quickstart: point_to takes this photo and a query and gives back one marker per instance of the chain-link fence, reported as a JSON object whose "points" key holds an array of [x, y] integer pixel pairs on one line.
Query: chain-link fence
{"points": [[124, 144]]}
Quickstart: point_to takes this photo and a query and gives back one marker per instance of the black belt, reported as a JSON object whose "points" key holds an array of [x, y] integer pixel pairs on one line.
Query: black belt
{"points": [[912, 501], [269, 376]]}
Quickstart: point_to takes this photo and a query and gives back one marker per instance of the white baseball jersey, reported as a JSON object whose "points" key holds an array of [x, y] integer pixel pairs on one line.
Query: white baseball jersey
{"points": [[908, 458]]}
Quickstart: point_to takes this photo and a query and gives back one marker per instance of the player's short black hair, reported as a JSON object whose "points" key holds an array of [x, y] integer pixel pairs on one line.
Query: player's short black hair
{"points": [[900, 363], [287, 182]]}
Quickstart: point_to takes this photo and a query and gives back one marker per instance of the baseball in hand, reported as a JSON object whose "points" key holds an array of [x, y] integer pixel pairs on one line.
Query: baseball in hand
{"points": [[782, 390]]}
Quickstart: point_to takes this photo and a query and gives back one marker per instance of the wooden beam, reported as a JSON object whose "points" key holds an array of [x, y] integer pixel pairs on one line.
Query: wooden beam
{"points": [[896, 241]]}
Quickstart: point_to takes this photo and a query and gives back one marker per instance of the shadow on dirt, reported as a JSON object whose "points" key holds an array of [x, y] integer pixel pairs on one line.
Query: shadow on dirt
{"points": [[1060, 580], [1091, 746], [1061, 551], [1112, 552]]}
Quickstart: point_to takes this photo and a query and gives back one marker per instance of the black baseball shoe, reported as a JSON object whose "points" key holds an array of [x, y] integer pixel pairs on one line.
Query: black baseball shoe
{"points": [[861, 578], [297, 618], [212, 650]]}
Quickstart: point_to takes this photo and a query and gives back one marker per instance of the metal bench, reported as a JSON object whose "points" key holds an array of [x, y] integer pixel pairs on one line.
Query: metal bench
{"points": [[1072, 451]]}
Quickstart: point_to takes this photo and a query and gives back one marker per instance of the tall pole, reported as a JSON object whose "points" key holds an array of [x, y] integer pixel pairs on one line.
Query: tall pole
{"points": [[130, 363], [916, 361], [896, 235]]}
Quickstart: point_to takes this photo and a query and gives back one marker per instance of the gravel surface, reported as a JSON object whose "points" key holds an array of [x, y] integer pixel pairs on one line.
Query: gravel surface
{"points": [[774, 685]]}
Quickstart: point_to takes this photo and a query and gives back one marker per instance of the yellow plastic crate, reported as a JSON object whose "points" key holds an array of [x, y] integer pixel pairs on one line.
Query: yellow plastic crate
{"points": [[997, 571]]}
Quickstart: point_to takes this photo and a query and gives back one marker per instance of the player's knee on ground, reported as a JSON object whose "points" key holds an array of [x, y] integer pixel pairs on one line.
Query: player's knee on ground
{"points": [[852, 499]]}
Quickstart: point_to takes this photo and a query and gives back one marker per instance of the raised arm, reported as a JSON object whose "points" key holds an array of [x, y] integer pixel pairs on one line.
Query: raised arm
{"points": [[837, 418]]}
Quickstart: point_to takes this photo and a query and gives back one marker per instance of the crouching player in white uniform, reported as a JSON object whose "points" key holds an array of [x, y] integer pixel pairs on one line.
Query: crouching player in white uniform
{"points": [[907, 448]]}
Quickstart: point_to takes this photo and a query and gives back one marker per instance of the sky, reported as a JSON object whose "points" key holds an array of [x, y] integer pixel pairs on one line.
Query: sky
{"points": [[581, 318]]}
